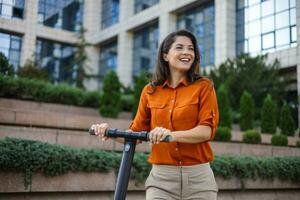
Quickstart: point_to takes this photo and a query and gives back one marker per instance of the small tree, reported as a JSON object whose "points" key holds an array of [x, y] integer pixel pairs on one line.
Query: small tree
{"points": [[287, 123], [6, 68], [247, 110], [30, 70], [80, 58], [110, 104], [268, 116], [140, 83], [224, 107]]}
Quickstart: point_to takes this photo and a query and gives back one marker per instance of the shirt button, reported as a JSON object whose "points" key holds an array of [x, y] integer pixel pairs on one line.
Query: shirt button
{"points": [[170, 110], [180, 162], [176, 149], [172, 101]]}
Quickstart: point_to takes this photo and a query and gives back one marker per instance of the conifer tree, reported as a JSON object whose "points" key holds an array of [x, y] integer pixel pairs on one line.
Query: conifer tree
{"points": [[268, 116], [110, 103], [247, 110], [287, 123], [224, 107], [140, 83]]}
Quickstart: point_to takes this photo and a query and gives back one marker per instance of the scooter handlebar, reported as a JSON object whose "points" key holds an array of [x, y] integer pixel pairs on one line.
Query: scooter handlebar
{"points": [[143, 135]]}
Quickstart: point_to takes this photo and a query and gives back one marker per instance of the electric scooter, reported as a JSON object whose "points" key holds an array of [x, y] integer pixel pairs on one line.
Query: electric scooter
{"points": [[130, 138]]}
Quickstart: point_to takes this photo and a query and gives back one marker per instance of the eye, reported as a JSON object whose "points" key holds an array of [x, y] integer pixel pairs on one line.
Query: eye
{"points": [[178, 47], [191, 48]]}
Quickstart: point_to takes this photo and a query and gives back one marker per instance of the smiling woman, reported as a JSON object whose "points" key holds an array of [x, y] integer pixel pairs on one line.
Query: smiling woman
{"points": [[180, 104]]}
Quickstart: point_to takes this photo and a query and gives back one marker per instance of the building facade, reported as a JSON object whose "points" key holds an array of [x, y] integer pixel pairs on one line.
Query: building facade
{"points": [[125, 34]]}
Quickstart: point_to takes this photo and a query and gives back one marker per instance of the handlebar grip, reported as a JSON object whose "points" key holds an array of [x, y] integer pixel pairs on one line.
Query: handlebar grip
{"points": [[134, 135]]}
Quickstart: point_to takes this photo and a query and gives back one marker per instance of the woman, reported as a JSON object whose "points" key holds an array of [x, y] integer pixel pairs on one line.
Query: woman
{"points": [[181, 104]]}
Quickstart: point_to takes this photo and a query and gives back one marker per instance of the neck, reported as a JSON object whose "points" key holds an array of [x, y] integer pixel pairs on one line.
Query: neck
{"points": [[176, 78]]}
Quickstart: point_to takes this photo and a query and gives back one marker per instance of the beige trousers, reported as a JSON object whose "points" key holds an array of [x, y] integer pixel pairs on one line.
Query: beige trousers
{"points": [[168, 182]]}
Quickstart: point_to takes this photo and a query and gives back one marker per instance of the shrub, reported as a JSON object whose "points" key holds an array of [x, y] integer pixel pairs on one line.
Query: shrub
{"points": [[287, 123], [223, 134], [6, 68], [279, 140], [111, 97], [224, 107], [140, 83], [37, 90], [31, 157], [298, 143], [268, 116], [30, 70], [252, 137], [247, 110], [127, 102]]}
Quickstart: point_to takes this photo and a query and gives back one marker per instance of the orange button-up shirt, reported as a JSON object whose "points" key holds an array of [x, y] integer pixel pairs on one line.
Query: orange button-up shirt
{"points": [[177, 109]]}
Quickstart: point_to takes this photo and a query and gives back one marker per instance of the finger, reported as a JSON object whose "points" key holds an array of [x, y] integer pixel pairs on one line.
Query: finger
{"points": [[156, 135]]}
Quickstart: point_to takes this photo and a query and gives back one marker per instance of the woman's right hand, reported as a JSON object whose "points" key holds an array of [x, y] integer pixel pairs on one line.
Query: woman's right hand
{"points": [[100, 130]]}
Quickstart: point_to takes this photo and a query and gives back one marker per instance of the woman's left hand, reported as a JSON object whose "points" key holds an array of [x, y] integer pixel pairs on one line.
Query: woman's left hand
{"points": [[158, 134]]}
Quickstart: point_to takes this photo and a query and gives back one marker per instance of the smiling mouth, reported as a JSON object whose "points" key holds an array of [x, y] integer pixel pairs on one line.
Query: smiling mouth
{"points": [[185, 60]]}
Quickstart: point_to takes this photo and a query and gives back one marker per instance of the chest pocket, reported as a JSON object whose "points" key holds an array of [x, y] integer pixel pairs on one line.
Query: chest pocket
{"points": [[187, 111], [159, 113]]}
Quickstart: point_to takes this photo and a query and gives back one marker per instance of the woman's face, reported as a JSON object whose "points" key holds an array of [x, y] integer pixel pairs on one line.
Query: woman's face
{"points": [[181, 55]]}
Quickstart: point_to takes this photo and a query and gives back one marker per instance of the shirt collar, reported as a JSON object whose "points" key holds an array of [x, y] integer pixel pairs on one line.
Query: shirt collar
{"points": [[184, 82]]}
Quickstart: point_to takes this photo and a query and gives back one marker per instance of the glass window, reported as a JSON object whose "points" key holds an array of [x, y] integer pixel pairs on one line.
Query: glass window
{"points": [[263, 28], [110, 13], [294, 34], [254, 12], [10, 46], [140, 5], [63, 14], [267, 24], [12, 9], [267, 8], [254, 28], [108, 58], [268, 41], [145, 45], [282, 20], [282, 37], [57, 59], [254, 44], [293, 16], [201, 22], [281, 5]]}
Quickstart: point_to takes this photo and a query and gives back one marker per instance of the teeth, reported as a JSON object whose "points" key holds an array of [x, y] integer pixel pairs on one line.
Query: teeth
{"points": [[185, 60]]}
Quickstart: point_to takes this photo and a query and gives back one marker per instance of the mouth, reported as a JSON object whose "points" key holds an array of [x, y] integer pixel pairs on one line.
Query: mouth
{"points": [[185, 60]]}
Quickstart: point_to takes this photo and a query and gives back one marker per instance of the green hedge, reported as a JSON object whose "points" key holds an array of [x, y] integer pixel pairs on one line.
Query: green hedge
{"points": [[30, 157], [252, 137], [279, 140], [223, 134], [36, 90]]}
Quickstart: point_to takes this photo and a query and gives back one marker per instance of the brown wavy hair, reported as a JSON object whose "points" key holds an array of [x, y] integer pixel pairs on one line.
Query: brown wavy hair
{"points": [[162, 70]]}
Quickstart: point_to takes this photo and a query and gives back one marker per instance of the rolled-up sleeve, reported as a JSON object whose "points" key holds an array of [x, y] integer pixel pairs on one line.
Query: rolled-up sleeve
{"points": [[208, 108], [142, 118]]}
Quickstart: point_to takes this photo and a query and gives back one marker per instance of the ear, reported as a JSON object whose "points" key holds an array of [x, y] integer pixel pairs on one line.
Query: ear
{"points": [[166, 57]]}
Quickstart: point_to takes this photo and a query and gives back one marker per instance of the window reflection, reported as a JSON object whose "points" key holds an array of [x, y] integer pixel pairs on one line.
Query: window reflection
{"points": [[12, 9], [110, 13], [145, 44], [140, 5], [272, 28], [200, 21], [57, 59], [10, 46], [108, 58], [63, 14]]}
